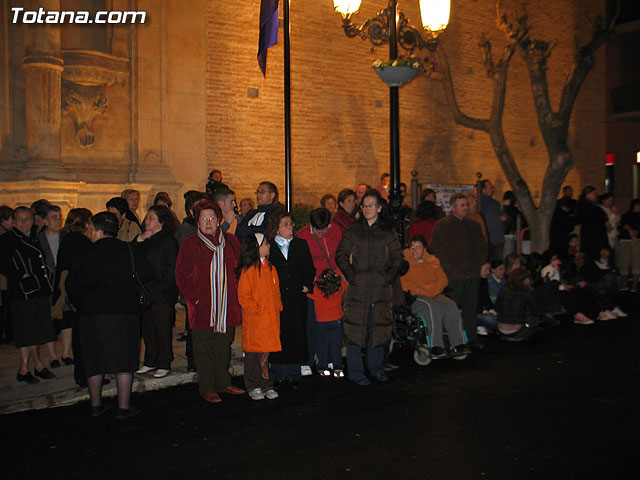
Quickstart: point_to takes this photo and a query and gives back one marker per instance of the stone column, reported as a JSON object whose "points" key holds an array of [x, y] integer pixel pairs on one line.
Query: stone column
{"points": [[43, 85]]}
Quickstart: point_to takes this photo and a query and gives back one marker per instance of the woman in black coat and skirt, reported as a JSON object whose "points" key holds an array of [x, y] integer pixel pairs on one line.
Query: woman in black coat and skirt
{"points": [[161, 250], [104, 291], [293, 262], [75, 244], [29, 288]]}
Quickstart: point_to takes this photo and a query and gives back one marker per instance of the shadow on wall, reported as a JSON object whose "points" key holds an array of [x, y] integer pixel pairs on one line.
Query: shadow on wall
{"points": [[361, 151], [433, 160]]}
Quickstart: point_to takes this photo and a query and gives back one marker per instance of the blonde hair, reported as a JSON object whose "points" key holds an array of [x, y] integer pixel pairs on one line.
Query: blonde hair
{"points": [[128, 192]]}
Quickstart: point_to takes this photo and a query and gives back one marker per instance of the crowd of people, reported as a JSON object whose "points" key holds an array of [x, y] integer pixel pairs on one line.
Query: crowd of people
{"points": [[102, 282]]}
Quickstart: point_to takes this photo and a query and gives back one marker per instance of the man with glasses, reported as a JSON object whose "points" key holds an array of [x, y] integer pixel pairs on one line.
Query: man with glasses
{"points": [[256, 220]]}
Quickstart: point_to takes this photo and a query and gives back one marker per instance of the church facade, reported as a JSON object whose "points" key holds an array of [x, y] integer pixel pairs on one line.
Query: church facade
{"points": [[89, 110]]}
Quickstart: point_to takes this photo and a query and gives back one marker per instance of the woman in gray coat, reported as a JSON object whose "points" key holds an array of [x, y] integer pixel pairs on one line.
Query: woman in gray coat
{"points": [[369, 256]]}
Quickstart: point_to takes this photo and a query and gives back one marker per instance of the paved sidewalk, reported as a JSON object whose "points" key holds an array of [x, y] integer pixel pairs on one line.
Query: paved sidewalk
{"points": [[18, 396]]}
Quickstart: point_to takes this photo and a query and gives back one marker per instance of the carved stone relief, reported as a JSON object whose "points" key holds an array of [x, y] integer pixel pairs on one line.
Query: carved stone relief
{"points": [[86, 76], [83, 110]]}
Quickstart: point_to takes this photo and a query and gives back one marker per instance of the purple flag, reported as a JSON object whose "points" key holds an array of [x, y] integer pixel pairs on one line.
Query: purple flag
{"points": [[268, 31]]}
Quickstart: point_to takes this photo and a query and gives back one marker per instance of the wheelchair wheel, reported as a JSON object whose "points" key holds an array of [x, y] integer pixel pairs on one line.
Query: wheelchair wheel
{"points": [[421, 356]]}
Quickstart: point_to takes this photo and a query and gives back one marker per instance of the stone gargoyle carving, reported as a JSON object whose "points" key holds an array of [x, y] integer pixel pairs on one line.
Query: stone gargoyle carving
{"points": [[83, 110]]}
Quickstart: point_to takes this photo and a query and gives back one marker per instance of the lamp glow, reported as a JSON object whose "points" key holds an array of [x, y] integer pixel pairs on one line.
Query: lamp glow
{"points": [[346, 7], [435, 14]]}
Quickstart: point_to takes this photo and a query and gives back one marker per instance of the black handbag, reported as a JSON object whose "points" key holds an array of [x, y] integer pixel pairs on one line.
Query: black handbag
{"points": [[329, 281], [142, 294]]}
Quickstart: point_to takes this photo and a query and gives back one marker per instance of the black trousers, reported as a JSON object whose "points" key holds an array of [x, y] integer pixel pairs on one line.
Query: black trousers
{"points": [[157, 335], [465, 294]]}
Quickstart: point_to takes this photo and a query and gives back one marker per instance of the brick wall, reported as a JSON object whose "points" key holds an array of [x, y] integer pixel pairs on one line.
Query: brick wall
{"points": [[340, 137]]}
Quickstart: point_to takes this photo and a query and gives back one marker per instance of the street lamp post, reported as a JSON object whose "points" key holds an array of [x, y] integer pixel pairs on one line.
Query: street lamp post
{"points": [[391, 27]]}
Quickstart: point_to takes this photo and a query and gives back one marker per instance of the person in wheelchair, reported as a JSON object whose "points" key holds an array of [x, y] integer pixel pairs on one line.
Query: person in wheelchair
{"points": [[426, 280]]}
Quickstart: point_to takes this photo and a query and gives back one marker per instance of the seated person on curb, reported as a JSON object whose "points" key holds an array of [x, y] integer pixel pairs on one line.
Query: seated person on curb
{"points": [[496, 280], [601, 276], [427, 280], [486, 313], [515, 319]]}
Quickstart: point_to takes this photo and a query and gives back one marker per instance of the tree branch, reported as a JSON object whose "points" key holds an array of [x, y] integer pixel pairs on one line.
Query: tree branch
{"points": [[447, 84], [487, 57], [583, 63], [515, 33], [500, 85], [535, 53]]}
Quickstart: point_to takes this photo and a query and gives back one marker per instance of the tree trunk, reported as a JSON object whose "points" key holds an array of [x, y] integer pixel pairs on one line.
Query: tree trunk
{"points": [[553, 125], [540, 231]]}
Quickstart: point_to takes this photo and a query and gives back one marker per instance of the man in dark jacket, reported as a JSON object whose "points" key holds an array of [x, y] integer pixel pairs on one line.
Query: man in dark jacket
{"points": [[214, 182], [493, 218], [256, 220], [461, 247]]}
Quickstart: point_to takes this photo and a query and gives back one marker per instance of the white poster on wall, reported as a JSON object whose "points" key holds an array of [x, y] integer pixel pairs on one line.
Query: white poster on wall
{"points": [[445, 190]]}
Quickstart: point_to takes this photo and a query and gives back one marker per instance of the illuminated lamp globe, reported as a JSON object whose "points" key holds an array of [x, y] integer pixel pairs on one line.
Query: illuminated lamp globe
{"points": [[346, 8], [435, 15]]}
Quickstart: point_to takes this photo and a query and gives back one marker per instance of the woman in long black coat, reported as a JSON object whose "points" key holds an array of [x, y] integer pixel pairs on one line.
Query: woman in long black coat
{"points": [[161, 250], [293, 262], [104, 292], [74, 246], [370, 257]]}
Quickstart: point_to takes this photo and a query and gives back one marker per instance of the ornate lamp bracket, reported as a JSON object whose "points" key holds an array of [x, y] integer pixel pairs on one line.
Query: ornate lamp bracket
{"points": [[377, 31]]}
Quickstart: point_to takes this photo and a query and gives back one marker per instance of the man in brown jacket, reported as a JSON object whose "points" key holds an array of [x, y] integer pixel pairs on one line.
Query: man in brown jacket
{"points": [[461, 247]]}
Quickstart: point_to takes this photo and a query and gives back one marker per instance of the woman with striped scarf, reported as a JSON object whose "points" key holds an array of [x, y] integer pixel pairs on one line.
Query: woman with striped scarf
{"points": [[205, 277]]}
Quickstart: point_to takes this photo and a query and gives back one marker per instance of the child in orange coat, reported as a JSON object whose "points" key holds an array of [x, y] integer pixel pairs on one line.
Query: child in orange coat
{"points": [[259, 297]]}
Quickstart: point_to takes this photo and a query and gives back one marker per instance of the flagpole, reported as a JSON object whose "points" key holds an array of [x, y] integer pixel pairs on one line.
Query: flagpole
{"points": [[287, 106]]}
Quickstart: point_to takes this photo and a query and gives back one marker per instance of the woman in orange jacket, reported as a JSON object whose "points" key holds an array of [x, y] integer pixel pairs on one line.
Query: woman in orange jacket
{"points": [[427, 280], [259, 297]]}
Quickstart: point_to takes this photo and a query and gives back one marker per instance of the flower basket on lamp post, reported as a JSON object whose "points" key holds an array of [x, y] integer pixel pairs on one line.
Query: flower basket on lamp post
{"points": [[397, 76], [397, 72]]}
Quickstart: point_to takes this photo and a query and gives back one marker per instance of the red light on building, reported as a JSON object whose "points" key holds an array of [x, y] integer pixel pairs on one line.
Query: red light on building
{"points": [[610, 159]]}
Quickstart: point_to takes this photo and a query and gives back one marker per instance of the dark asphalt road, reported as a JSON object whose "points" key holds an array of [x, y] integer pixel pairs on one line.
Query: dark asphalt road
{"points": [[564, 406]]}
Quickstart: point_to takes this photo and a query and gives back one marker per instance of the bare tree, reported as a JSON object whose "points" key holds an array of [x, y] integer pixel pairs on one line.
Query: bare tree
{"points": [[553, 124]]}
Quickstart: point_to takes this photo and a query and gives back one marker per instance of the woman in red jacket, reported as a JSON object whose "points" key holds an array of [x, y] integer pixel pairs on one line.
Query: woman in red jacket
{"points": [[205, 277]]}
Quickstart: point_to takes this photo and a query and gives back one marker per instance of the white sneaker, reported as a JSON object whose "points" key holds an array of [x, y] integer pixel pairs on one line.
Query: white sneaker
{"points": [[610, 315], [271, 394], [619, 313], [256, 394], [482, 330], [145, 369], [305, 370], [161, 373]]}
